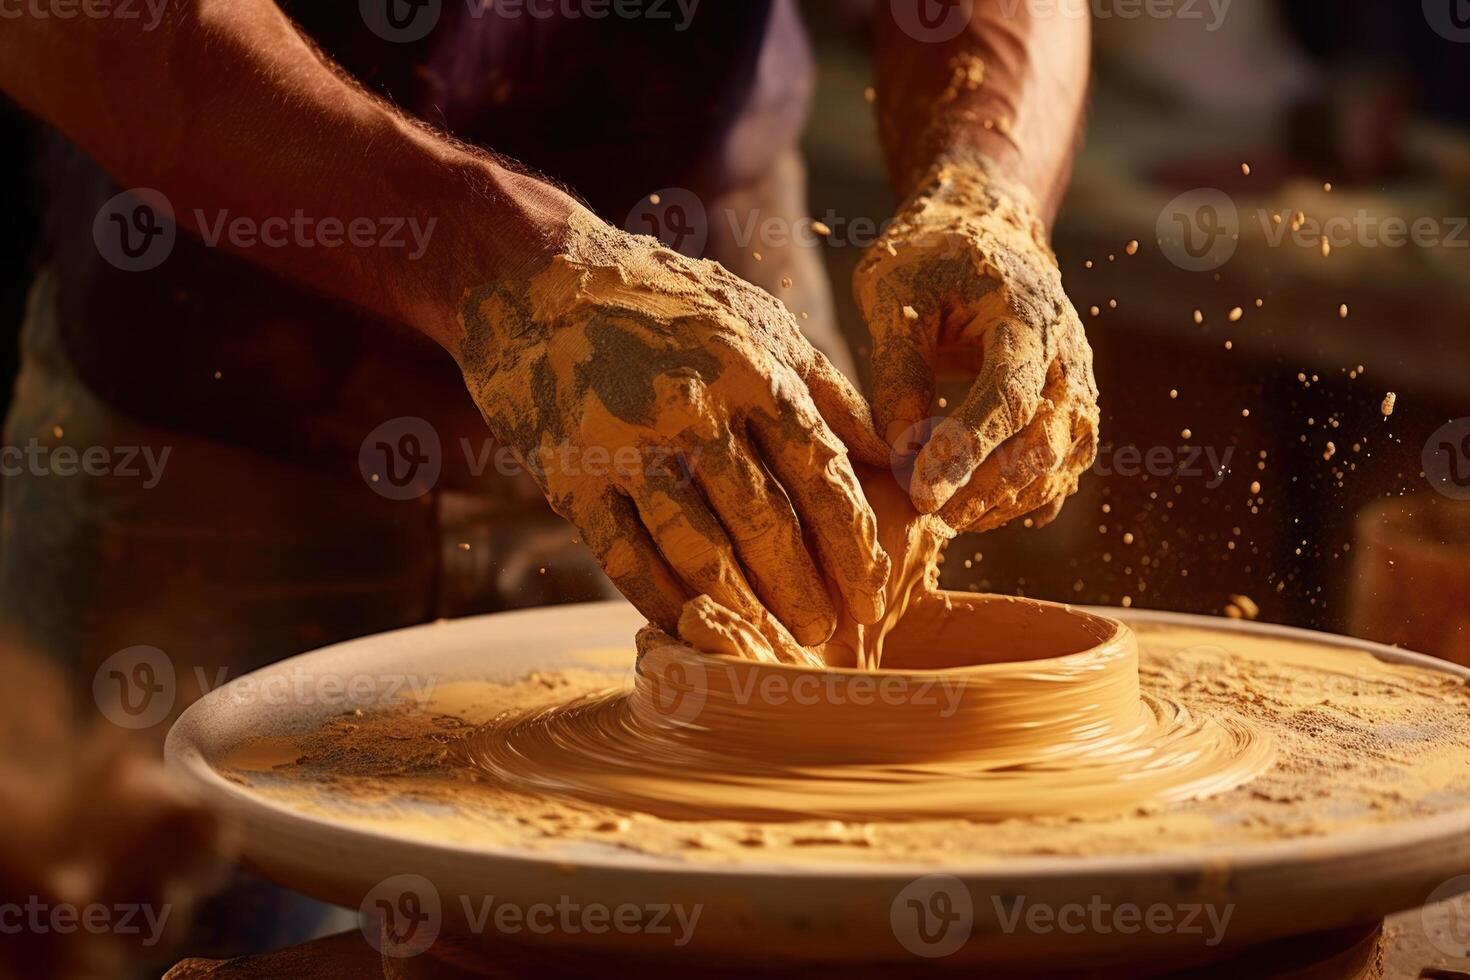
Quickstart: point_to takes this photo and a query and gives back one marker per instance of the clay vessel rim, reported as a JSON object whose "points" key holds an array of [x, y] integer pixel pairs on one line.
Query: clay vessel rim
{"points": [[1117, 641]]}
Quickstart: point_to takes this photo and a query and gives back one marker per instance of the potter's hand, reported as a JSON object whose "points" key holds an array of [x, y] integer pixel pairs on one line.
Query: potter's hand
{"points": [[677, 417], [964, 278]]}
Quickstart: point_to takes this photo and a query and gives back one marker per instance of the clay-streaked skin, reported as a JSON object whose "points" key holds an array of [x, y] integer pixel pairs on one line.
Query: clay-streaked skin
{"points": [[964, 277], [728, 431], [297, 129], [911, 541]]}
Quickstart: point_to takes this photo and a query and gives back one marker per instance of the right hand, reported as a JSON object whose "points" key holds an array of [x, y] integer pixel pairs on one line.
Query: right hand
{"points": [[677, 417]]}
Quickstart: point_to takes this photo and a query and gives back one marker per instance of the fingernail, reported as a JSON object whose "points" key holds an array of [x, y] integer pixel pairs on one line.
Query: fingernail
{"points": [[816, 632], [870, 608], [928, 498]]}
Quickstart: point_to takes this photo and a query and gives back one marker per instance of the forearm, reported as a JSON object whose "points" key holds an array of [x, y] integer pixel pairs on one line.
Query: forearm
{"points": [[1011, 86], [228, 112]]}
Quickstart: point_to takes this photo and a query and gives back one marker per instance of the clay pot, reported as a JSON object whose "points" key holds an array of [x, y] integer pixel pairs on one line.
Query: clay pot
{"points": [[993, 678]]}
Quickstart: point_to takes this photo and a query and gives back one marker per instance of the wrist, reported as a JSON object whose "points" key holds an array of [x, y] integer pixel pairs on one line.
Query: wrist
{"points": [[490, 225], [968, 185]]}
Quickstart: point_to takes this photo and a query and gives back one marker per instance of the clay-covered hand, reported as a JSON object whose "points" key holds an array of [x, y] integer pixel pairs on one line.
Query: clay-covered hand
{"points": [[964, 279], [676, 416]]}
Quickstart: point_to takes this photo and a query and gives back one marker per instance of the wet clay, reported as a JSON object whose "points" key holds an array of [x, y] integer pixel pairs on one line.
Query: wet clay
{"points": [[938, 734], [1358, 744]]}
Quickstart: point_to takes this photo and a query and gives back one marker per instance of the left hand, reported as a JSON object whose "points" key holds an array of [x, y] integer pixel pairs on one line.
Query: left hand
{"points": [[964, 277]]}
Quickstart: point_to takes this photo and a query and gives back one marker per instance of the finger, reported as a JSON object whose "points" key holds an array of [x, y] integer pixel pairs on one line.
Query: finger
{"points": [[1003, 399], [904, 335], [844, 408], [1036, 496], [812, 466], [768, 540], [692, 541], [613, 532], [711, 628], [1040, 464], [1046, 513]]}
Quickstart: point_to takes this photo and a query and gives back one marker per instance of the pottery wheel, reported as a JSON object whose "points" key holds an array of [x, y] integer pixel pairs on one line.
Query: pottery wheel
{"points": [[344, 768]]}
